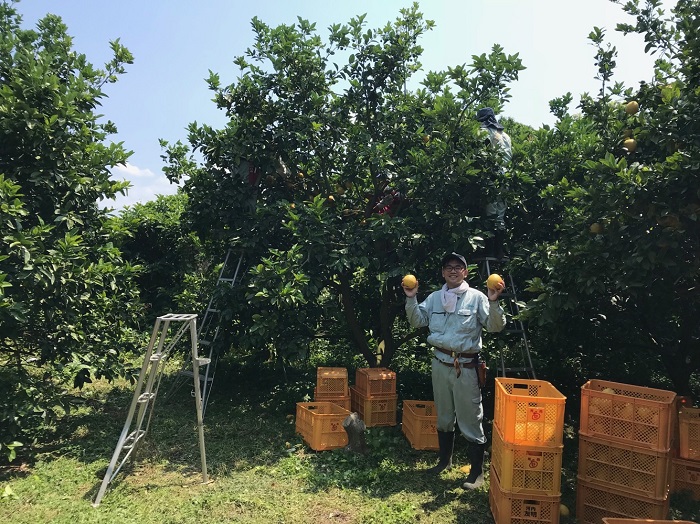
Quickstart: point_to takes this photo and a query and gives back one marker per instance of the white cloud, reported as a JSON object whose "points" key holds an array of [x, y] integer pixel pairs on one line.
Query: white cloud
{"points": [[145, 185]]}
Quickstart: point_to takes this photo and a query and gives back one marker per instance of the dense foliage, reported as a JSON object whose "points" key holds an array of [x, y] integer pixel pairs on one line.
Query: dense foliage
{"points": [[616, 250], [356, 177], [176, 266], [66, 298]]}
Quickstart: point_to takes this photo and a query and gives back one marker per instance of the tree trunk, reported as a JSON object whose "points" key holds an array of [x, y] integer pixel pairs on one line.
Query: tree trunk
{"points": [[357, 333]]}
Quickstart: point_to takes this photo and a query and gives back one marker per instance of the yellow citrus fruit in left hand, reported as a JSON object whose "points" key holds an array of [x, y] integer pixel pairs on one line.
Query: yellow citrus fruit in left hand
{"points": [[494, 280], [563, 510], [409, 281]]}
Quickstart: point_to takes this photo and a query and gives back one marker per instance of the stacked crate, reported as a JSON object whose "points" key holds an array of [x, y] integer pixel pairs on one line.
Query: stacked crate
{"points": [[374, 396], [526, 452], [419, 424], [321, 425], [332, 386], [685, 469], [625, 439]]}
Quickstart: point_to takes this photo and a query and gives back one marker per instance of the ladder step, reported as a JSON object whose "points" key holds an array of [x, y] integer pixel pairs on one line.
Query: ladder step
{"points": [[190, 374], [227, 280], [146, 397], [204, 342], [203, 361], [133, 438], [529, 370], [156, 357]]}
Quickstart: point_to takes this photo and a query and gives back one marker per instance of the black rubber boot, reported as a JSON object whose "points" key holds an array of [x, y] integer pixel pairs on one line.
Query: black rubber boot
{"points": [[475, 479], [446, 441]]}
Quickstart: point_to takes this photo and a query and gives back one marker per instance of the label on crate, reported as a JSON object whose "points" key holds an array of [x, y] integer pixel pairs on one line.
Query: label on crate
{"points": [[531, 509], [535, 414], [533, 461], [693, 475]]}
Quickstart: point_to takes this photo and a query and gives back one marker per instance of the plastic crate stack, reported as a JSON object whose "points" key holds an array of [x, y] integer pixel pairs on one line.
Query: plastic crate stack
{"points": [[526, 452], [374, 396], [625, 455], [419, 424], [332, 386], [685, 469]]}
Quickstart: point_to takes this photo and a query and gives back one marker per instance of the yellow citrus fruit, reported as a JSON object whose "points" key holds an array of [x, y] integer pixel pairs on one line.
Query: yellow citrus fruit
{"points": [[596, 228], [632, 107], [409, 281], [494, 280], [563, 510], [630, 144]]}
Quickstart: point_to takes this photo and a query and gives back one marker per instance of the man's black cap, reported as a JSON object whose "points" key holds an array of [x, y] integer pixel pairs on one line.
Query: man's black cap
{"points": [[454, 256]]}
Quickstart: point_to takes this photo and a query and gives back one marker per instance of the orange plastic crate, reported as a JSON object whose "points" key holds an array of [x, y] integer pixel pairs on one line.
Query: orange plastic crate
{"points": [[634, 415], [331, 382], [593, 502], [631, 469], [519, 508], [529, 412], [342, 401], [374, 411], [689, 428], [375, 382], [321, 425], [522, 469], [685, 476], [608, 520], [419, 424]]}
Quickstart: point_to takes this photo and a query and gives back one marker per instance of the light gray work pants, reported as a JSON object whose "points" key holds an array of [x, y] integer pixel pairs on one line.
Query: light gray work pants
{"points": [[458, 399]]}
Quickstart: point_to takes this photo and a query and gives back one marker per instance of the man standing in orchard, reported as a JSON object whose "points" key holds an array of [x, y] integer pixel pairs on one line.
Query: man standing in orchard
{"points": [[455, 316], [496, 206]]}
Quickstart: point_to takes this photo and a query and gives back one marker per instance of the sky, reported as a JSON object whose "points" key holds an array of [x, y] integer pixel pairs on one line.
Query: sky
{"points": [[175, 43]]}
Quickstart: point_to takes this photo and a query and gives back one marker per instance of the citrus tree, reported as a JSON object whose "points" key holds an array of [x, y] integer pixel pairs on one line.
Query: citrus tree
{"points": [[175, 265], [616, 281], [66, 299], [334, 178]]}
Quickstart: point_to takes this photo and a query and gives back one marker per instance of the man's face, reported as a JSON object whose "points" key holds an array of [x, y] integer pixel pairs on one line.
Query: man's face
{"points": [[454, 273]]}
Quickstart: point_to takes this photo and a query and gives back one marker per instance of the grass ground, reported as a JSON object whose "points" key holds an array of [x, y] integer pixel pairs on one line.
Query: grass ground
{"points": [[261, 471]]}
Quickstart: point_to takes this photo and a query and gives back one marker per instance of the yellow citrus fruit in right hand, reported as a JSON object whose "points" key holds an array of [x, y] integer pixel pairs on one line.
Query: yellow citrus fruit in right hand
{"points": [[494, 280], [409, 281], [563, 510]]}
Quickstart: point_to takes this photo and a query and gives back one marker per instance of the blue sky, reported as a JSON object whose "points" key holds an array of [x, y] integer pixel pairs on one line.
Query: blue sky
{"points": [[175, 43]]}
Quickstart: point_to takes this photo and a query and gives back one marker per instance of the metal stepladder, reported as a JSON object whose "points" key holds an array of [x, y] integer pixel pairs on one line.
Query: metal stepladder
{"points": [[159, 349], [509, 298], [209, 331]]}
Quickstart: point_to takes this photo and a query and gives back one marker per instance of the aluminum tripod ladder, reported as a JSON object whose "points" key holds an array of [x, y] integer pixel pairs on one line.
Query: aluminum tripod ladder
{"points": [[488, 265], [209, 331], [141, 409]]}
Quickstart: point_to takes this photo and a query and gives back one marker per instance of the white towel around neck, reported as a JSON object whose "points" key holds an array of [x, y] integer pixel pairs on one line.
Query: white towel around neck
{"points": [[450, 296]]}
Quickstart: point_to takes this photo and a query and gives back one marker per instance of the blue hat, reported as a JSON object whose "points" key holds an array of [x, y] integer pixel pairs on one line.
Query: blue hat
{"points": [[487, 117], [454, 256]]}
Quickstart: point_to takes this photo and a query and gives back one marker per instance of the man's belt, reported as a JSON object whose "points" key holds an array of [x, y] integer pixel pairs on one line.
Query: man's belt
{"points": [[468, 365], [456, 356]]}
